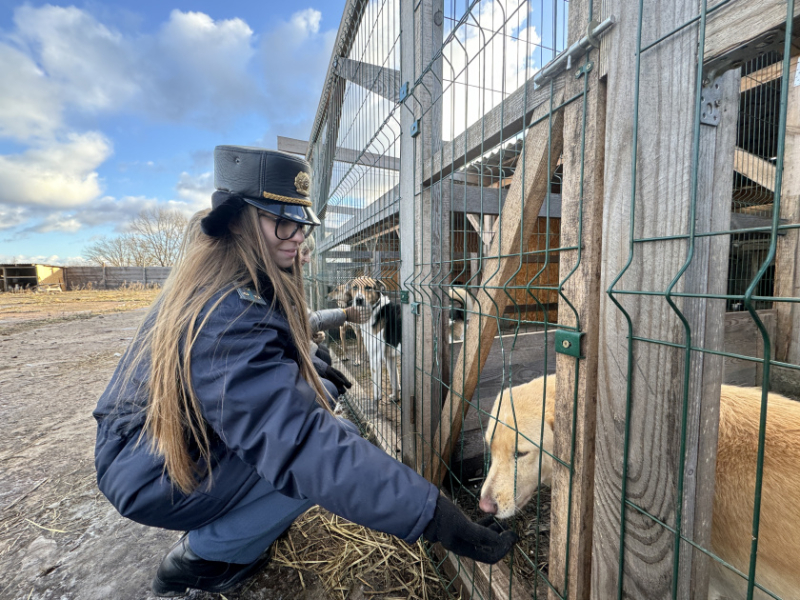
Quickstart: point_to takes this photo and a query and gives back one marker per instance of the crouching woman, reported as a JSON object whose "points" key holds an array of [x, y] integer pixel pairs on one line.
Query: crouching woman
{"points": [[215, 422]]}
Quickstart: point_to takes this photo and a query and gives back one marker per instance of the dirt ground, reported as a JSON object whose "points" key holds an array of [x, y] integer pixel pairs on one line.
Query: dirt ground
{"points": [[59, 537]]}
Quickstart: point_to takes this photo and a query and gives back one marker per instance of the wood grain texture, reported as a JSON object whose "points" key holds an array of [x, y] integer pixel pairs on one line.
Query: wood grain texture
{"points": [[375, 78], [498, 124], [407, 249], [525, 197], [572, 534], [742, 20], [787, 260], [663, 194]]}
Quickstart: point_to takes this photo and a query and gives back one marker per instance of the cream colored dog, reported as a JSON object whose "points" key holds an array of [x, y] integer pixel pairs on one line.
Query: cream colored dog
{"points": [[778, 566]]}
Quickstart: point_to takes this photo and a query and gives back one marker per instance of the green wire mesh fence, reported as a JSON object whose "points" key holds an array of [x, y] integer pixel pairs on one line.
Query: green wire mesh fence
{"points": [[513, 189]]}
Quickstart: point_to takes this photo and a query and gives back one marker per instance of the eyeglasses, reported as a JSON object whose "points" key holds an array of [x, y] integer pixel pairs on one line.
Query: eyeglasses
{"points": [[286, 229]]}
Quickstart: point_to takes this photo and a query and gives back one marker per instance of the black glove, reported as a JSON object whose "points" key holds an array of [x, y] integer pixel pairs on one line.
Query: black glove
{"points": [[483, 542], [338, 379], [324, 354]]}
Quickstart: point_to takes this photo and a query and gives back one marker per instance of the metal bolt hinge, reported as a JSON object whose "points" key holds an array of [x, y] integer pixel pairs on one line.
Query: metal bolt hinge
{"points": [[710, 101], [404, 299], [415, 128], [569, 342]]}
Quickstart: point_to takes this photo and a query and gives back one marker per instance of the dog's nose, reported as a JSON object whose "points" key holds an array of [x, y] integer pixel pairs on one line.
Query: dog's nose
{"points": [[488, 506], [359, 302]]}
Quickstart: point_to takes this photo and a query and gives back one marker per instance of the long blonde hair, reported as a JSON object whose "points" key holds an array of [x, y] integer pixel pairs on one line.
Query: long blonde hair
{"points": [[174, 421]]}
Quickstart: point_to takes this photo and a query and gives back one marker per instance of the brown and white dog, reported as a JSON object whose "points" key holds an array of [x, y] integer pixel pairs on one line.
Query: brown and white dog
{"points": [[342, 296], [778, 566], [381, 333]]}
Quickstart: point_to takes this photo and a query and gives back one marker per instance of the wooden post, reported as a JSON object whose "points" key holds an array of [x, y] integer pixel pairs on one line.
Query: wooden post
{"points": [[583, 152], [663, 188], [519, 215], [787, 260], [432, 236], [406, 207]]}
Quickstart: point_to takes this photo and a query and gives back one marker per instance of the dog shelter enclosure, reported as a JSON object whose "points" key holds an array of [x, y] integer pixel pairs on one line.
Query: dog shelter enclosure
{"points": [[606, 191]]}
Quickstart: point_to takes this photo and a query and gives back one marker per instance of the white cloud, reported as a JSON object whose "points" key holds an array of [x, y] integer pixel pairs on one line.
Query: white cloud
{"points": [[92, 66], [55, 174], [307, 21], [196, 191], [12, 216], [29, 104]]}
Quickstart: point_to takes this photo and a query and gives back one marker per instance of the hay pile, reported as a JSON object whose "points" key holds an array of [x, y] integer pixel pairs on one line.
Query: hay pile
{"points": [[353, 561]]}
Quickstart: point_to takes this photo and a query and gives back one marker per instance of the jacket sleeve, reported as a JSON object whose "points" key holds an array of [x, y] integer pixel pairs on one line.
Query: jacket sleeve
{"points": [[253, 396], [322, 320]]}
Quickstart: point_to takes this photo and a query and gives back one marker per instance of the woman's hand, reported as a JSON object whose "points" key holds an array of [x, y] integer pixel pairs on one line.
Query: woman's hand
{"points": [[486, 543]]}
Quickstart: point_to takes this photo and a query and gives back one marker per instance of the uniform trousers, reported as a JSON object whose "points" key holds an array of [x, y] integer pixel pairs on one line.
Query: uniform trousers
{"points": [[243, 533]]}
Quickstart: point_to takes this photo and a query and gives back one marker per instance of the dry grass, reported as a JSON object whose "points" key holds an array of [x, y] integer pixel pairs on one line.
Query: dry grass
{"points": [[346, 556]]}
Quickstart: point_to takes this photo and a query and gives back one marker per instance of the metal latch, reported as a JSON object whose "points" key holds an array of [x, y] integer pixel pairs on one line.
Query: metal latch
{"points": [[567, 58], [569, 342]]}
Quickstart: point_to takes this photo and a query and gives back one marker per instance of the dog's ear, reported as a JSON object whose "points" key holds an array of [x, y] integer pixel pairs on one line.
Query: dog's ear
{"points": [[380, 285]]}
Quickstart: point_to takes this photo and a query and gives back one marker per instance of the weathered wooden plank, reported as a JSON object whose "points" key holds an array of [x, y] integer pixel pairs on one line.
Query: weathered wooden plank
{"points": [[743, 338], [432, 233], [375, 78], [755, 168], [407, 245], [787, 259], [543, 143], [653, 411], [478, 580], [765, 75], [574, 488], [498, 124], [741, 20], [348, 26], [347, 155], [457, 197]]}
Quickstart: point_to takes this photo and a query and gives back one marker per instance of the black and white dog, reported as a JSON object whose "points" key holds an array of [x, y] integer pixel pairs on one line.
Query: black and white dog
{"points": [[381, 333]]}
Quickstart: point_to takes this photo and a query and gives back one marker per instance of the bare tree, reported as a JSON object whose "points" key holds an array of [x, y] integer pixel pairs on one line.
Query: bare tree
{"points": [[112, 251], [160, 232]]}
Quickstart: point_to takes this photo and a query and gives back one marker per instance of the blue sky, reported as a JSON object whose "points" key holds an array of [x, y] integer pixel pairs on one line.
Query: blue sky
{"points": [[108, 108]]}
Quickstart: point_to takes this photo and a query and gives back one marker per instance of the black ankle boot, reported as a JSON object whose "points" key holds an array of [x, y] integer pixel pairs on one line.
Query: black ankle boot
{"points": [[182, 569]]}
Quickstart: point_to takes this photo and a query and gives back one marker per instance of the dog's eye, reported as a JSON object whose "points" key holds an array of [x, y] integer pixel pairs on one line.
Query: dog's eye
{"points": [[521, 454], [369, 288]]}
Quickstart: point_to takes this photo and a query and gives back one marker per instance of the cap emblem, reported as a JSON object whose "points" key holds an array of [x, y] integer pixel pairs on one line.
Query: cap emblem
{"points": [[302, 182]]}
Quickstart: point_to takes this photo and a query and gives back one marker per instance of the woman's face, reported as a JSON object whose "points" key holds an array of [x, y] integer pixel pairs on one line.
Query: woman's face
{"points": [[281, 251], [305, 256]]}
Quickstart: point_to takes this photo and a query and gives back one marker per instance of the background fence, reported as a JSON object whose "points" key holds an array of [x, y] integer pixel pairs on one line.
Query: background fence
{"points": [[602, 191]]}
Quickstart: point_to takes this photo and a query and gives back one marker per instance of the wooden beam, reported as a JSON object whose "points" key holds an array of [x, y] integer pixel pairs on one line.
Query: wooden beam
{"points": [[740, 21], [360, 255], [375, 78], [765, 75], [346, 155], [458, 197], [754, 168], [498, 124], [641, 395], [432, 233], [491, 582], [572, 505], [348, 27], [516, 222], [787, 259], [407, 243]]}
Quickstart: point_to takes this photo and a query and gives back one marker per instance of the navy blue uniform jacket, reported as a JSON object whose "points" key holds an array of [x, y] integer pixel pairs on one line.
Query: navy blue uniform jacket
{"points": [[264, 423]]}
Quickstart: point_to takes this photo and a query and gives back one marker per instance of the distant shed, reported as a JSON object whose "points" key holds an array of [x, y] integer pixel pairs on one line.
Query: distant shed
{"points": [[27, 276]]}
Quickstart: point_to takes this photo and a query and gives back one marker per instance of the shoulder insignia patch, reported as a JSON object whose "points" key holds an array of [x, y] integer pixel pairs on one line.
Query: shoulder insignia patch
{"points": [[249, 294]]}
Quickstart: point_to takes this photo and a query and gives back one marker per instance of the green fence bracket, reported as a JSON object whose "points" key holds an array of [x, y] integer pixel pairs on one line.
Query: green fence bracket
{"points": [[569, 342], [403, 92], [404, 297], [415, 308], [416, 127]]}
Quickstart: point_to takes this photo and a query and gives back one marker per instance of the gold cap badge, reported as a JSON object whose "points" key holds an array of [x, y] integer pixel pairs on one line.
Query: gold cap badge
{"points": [[302, 182]]}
